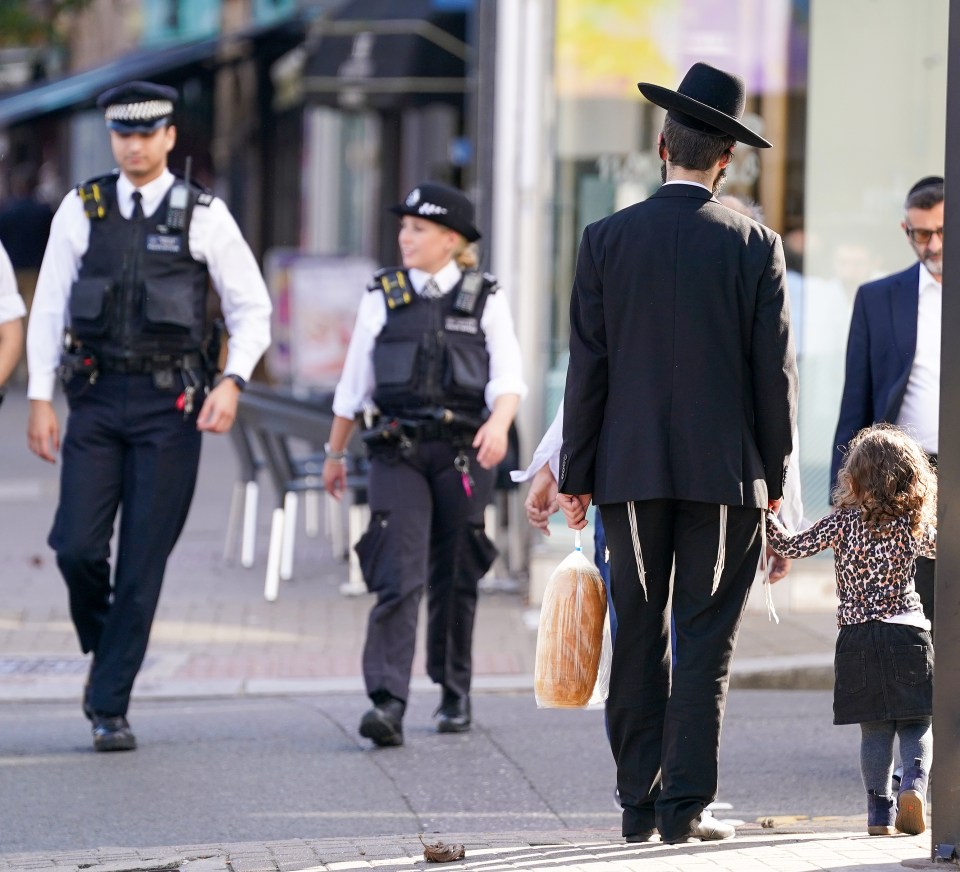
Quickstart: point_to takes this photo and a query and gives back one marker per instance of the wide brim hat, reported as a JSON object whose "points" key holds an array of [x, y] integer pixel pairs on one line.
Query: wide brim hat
{"points": [[137, 107], [441, 204], [708, 101]]}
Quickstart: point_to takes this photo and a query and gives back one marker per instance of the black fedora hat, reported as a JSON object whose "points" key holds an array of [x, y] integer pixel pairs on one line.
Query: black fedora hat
{"points": [[441, 204], [709, 101]]}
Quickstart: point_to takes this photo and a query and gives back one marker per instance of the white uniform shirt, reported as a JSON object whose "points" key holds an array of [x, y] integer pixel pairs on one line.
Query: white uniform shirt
{"points": [[355, 388], [11, 303], [920, 411], [214, 239]]}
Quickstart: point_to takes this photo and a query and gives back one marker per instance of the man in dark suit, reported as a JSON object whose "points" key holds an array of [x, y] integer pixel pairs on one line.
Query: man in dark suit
{"points": [[683, 375], [893, 351]]}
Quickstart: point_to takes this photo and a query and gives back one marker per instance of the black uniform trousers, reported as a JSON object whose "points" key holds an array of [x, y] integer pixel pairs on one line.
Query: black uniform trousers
{"points": [[126, 447], [424, 530], [665, 734]]}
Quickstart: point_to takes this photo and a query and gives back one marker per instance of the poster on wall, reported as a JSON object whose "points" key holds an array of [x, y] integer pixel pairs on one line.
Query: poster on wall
{"points": [[315, 299]]}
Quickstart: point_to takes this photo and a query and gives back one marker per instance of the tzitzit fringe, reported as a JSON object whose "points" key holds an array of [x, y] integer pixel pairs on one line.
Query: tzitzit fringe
{"points": [[632, 516], [721, 551], [765, 564]]}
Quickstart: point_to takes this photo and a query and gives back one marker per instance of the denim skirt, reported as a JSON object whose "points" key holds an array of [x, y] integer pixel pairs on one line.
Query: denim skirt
{"points": [[883, 672]]}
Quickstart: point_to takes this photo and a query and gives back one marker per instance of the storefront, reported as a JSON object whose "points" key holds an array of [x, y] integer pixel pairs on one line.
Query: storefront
{"points": [[851, 95]]}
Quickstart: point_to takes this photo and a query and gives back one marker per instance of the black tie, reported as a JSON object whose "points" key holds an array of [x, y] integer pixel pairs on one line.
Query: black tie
{"points": [[137, 206]]}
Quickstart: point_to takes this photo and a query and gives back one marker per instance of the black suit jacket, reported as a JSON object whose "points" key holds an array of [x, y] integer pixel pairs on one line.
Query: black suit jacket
{"points": [[880, 351], [682, 377]]}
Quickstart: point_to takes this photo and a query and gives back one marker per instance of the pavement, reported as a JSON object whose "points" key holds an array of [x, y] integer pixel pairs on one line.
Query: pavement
{"points": [[215, 636]]}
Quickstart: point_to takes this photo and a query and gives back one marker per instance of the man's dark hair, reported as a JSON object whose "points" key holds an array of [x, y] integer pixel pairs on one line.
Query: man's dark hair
{"points": [[692, 149], [924, 198]]}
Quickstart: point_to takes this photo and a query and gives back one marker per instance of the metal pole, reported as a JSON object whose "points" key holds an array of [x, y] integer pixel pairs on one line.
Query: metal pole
{"points": [[945, 798]]}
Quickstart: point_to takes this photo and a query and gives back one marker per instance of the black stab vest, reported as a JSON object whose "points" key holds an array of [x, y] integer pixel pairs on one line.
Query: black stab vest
{"points": [[139, 293], [431, 355]]}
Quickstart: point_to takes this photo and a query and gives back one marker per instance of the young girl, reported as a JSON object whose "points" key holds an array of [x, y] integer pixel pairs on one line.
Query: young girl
{"points": [[885, 514]]}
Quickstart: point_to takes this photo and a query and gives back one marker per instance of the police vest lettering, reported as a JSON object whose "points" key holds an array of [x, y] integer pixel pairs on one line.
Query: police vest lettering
{"points": [[431, 352], [138, 292]]}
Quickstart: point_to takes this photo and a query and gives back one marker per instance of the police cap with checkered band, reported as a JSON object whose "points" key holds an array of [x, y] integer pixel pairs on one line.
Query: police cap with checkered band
{"points": [[441, 204], [137, 107]]}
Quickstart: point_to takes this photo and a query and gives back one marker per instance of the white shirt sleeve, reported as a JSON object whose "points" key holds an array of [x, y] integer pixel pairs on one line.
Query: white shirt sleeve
{"points": [[357, 381], [506, 361], [791, 509], [11, 303], [68, 241], [215, 239], [548, 451]]}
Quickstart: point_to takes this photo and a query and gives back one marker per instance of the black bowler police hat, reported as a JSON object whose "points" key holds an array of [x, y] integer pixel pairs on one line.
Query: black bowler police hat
{"points": [[137, 107], [709, 101], [442, 205]]}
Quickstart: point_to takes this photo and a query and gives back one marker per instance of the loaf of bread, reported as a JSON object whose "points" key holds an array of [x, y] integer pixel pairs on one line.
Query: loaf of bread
{"points": [[570, 634]]}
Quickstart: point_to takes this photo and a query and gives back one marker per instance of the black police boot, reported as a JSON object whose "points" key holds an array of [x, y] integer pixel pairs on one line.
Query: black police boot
{"points": [[112, 734], [453, 716], [383, 724]]}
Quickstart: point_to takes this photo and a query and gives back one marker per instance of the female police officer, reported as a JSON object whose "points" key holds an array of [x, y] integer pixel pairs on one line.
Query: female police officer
{"points": [[435, 352]]}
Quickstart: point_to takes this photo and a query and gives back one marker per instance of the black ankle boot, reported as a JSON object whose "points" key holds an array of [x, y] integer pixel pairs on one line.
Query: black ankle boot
{"points": [[912, 800], [881, 812]]}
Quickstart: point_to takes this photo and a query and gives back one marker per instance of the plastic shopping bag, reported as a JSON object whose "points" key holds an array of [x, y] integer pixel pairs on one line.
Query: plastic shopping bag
{"points": [[570, 636]]}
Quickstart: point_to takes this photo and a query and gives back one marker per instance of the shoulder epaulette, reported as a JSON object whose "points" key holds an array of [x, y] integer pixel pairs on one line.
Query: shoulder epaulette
{"points": [[492, 282], [395, 284], [204, 199], [91, 195]]}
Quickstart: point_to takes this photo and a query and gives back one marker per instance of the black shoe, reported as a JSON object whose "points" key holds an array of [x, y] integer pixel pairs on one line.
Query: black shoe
{"points": [[383, 724], [453, 716], [704, 829], [642, 837], [112, 734]]}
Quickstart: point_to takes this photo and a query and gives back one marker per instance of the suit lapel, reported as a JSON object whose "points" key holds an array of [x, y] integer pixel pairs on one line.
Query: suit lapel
{"points": [[904, 298]]}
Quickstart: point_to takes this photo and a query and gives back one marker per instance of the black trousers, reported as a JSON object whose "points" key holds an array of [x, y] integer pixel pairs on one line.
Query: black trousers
{"points": [[923, 581], [424, 531], [126, 447], [665, 730]]}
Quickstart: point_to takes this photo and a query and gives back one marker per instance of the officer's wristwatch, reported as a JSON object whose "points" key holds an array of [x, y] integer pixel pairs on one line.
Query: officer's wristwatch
{"points": [[241, 383]]}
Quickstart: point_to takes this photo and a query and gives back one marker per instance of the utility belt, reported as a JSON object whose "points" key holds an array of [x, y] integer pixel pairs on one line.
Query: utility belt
{"points": [[78, 361], [149, 364], [403, 431]]}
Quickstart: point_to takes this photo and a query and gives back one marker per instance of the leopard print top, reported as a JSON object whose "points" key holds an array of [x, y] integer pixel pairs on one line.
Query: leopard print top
{"points": [[874, 573]]}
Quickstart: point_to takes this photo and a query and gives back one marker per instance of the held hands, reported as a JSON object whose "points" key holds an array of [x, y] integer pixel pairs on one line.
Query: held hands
{"points": [[219, 409], [777, 567], [574, 508], [541, 501]]}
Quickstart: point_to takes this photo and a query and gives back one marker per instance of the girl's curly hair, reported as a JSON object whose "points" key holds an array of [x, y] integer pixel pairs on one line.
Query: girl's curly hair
{"points": [[887, 475]]}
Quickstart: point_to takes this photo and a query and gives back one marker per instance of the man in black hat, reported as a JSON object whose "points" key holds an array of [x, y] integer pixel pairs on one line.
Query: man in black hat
{"points": [[130, 258], [893, 350], [683, 374]]}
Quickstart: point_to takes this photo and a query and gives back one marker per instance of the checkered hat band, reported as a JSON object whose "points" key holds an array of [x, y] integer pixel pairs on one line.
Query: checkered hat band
{"points": [[148, 110]]}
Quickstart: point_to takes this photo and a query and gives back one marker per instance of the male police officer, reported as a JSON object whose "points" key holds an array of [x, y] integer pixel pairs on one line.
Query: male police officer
{"points": [[127, 268]]}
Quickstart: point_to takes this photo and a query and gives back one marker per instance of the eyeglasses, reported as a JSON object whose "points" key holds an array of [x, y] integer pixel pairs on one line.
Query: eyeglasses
{"points": [[921, 236]]}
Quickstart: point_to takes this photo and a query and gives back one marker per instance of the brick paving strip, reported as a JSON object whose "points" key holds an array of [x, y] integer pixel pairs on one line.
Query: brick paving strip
{"points": [[792, 849]]}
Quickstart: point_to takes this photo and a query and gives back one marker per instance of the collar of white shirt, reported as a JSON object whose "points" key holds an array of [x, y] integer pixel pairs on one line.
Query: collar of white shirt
{"points": [[151, 193], [927, 281], [446, 278], [685, 182]]}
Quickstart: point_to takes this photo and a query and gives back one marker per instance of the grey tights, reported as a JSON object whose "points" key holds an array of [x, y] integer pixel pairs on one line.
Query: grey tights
{"points": [[876, 749]]}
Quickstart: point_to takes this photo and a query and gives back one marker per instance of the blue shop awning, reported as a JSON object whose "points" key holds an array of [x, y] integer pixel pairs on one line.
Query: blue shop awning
{"points": [[388, 53], [80, 90]]}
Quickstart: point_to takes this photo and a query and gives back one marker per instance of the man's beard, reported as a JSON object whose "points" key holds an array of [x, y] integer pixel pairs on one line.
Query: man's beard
{"points": [[720, 181], [935, 266]]}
